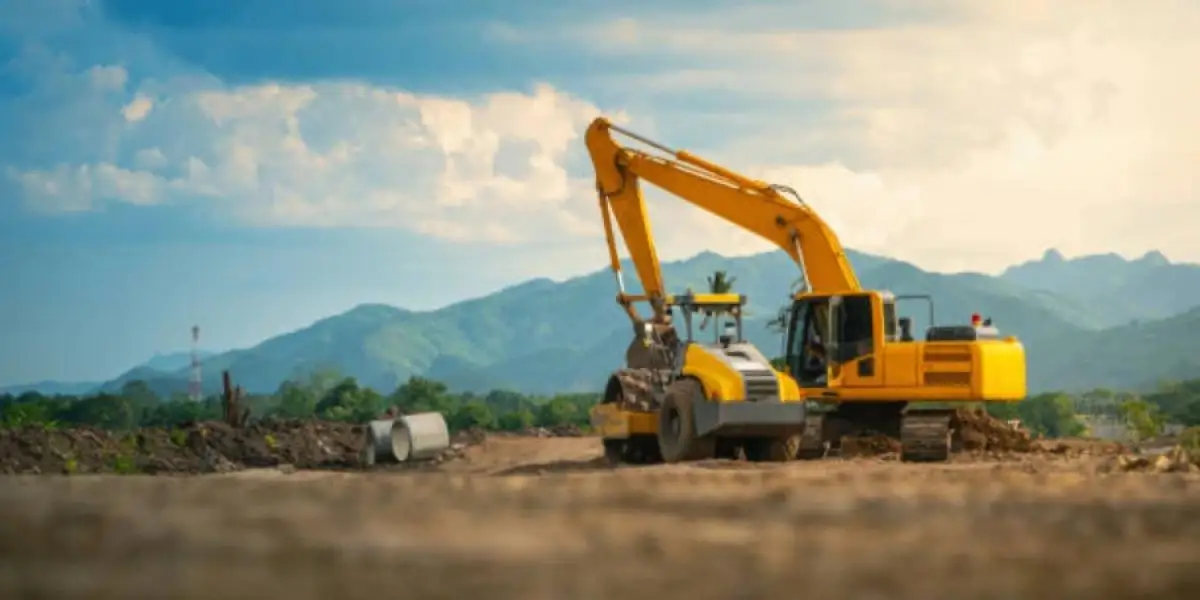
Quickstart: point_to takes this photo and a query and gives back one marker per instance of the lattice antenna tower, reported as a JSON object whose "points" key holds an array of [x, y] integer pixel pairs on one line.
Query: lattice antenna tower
{"points": [[194, 390]]}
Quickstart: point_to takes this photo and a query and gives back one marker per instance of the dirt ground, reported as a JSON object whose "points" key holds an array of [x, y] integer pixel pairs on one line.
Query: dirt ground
{"points": [[546, 518]]}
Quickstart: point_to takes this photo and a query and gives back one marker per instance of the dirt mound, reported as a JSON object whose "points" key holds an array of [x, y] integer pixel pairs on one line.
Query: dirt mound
{"points": [[981, 432], [208, 447], [871, 445], [978, 431]]}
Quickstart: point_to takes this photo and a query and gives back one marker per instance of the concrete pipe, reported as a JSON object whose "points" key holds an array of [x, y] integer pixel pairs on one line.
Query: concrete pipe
{"points": [[377, 443], [409, 438], [420, 437]]}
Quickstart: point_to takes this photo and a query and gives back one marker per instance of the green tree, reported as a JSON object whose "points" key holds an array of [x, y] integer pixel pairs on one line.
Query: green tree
{"points": [[182, 410], [108, 411], [506, 401], [518, 420], [316, 395], [346, 401], [139, 393], [720, 282], [296, 401], [419, 394], [472, 414], [558, 412], [34, 412], [1144, 420], [1050, 415]]}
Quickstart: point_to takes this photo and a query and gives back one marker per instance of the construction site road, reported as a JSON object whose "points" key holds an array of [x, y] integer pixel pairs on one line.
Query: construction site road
{"points": [[546, 519]]}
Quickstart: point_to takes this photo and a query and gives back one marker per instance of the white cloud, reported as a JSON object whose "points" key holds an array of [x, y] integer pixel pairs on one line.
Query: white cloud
{"points": [[75, 189], [972, 140], [137, 109], [988, 135], [489, 169]]}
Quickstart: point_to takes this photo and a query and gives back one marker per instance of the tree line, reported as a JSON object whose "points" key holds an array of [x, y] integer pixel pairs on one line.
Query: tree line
{"points": [[1144, 416], [329, 396], [324, 395]]}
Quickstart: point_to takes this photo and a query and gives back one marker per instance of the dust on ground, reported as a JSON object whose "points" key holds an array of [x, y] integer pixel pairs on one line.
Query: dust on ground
{"points": [[547, 518], [1040, 524]]}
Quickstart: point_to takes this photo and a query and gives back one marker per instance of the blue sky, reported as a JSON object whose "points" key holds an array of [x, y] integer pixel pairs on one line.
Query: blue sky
{"points": [[253, 166]]}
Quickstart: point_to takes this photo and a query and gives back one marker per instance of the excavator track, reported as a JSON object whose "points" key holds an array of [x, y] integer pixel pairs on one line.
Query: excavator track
{"points": [[812, 441], [925, 436]]}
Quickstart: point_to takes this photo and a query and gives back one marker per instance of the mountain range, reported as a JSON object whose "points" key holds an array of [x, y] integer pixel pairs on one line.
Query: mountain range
{"points": [[1093, 321]]}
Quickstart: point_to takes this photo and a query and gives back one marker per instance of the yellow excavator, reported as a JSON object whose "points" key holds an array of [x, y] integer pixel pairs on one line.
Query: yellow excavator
{"points": [[853, 366]]}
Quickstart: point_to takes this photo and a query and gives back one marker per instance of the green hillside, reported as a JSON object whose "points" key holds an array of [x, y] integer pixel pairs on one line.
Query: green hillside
{"points": [[1134, 356], [545, 336]]}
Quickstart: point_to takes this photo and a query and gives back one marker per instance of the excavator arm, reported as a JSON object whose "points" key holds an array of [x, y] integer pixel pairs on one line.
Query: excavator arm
{"points": [[752, 205]]}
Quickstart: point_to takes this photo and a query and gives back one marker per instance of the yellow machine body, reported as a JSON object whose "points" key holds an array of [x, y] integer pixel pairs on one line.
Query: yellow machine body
{"points": [[846, 346]]}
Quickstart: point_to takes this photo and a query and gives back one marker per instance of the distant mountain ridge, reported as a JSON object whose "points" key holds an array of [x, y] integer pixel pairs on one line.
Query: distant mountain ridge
{"points": [[543, 336], [161, 366], [1112, 289]]}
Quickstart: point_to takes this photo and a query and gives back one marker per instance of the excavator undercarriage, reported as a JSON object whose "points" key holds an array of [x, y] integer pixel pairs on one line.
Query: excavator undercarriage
{"points": [[925, 434]]}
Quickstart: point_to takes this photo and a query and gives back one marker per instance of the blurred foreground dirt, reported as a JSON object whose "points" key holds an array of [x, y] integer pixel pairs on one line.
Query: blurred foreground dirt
{"points": [[545, 518]]}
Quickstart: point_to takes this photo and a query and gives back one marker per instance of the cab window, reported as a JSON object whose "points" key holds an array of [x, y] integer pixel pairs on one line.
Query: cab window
{"points": [[889, 321], [855, 328], [807, 338]]}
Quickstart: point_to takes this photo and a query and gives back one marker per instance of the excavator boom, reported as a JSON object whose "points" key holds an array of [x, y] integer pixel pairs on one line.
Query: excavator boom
{"points": [[752, 205]]}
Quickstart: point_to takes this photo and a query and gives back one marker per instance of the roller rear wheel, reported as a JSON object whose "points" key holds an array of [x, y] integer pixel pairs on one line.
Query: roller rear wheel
{"points": [[677, 438]]}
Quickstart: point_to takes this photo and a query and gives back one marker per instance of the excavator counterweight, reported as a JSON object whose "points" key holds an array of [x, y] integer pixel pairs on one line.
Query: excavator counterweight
{"points": [[848, 351]]}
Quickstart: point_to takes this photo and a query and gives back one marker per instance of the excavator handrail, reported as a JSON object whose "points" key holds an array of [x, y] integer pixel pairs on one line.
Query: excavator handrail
{"points": [[755, 206]]}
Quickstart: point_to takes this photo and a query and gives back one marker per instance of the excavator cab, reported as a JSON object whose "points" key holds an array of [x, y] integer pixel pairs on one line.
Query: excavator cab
{"points": [[830, 332]]}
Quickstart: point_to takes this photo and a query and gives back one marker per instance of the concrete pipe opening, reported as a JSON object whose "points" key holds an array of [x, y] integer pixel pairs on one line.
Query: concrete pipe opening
{"points": [[377, 443], [419, 437]]}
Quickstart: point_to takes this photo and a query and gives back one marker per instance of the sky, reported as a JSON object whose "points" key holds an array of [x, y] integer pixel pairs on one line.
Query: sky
{"points": [[252, 166]]}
